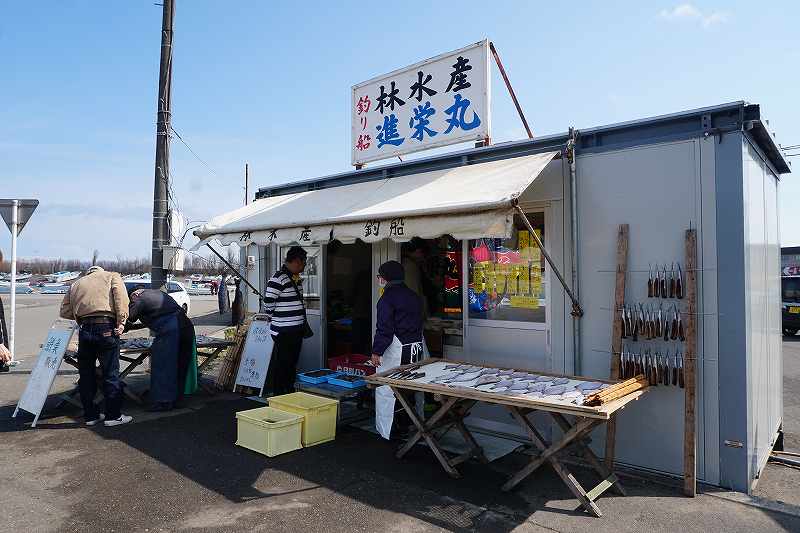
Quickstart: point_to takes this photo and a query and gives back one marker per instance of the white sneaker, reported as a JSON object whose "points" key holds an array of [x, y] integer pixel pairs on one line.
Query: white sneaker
{"points": [[123, 419], [96, 420]]}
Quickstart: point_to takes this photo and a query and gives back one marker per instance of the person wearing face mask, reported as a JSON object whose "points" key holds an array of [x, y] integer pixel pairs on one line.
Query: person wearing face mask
{"points": [[398, 337]]}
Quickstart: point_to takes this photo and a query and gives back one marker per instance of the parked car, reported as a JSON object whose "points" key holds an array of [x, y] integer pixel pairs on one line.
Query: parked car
{"points": [[54, 288], [22, 288], [174, 289], [790, 296], [198, 289]]}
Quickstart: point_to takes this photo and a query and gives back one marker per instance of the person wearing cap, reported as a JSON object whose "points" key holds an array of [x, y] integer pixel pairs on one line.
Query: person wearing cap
{"points": [[283, 304], [398, 337], [99, 302]]}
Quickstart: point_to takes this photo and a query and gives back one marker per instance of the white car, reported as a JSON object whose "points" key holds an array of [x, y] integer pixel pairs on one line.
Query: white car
{"points": [[199, 289], [174, 289]]}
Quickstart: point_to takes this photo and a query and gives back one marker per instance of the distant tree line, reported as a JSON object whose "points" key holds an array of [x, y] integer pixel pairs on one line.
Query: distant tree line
{"points": [[194, 264]]}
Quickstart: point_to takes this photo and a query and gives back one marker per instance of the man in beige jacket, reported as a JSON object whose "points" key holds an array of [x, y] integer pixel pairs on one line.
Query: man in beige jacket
{"points": [[99, 302]]}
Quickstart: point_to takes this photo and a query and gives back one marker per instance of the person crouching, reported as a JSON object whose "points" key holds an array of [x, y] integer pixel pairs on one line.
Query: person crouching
{"points": [[172, 347]]}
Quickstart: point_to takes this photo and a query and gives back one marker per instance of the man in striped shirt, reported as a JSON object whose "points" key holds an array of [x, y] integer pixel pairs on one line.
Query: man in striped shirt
{"points": [[283, 303]]}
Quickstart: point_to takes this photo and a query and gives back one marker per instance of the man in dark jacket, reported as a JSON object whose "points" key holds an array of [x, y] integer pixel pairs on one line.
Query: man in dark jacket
{"points": [[237, 309], [172, 347], [223, 298]]}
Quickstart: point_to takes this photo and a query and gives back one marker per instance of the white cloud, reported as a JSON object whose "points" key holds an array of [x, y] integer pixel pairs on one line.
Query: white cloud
{"points": [[690, 12]]}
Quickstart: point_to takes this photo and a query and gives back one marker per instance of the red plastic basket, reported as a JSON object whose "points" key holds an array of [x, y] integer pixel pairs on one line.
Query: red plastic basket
{"points": [[351, 364]]}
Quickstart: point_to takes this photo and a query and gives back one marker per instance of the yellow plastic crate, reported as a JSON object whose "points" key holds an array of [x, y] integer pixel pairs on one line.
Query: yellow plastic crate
{"points": [[319, 415], [269, 431]]}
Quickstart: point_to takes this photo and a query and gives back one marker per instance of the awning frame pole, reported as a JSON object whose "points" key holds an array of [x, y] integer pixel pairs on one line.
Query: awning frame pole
{"points": [[510, 89], [577, 358], [230, 266], [577, 311]]}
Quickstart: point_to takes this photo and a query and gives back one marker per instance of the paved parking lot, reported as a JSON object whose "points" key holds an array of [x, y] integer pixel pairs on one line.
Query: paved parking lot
{"points": [[182, 471]]}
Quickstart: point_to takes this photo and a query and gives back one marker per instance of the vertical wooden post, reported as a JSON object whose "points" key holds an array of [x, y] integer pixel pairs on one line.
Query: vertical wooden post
{"points": [[689, 359], [616, 333]]}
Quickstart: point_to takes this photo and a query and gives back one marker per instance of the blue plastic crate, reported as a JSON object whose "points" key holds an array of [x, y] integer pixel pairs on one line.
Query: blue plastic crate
{"points": [[316, 380], [335, 380]]}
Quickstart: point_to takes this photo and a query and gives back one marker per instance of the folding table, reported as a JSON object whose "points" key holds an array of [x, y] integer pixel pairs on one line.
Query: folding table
{"points": [[135, 352], [457, 401]]}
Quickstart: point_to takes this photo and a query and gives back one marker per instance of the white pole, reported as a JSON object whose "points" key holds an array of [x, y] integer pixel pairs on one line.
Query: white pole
{"points": [[14, 219]]}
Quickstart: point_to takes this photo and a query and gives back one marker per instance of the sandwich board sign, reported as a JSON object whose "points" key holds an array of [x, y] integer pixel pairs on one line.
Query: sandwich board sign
{"points": [[46, 368], [437, 102], [256, 355]]}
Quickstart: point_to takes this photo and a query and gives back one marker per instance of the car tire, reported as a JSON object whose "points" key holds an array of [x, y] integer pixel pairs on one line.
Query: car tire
{"points": [[790, 332]]}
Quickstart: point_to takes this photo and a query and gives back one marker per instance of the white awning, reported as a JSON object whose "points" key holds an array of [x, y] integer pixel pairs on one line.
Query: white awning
{"points": [[467, 202]]}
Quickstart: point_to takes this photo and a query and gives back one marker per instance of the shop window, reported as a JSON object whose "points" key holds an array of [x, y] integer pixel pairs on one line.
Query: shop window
{"points": [[433, 271], [309, 279], [506, 276], [348, 299]]}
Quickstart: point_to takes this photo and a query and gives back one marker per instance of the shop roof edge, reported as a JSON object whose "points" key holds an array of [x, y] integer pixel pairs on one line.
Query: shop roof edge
{"points": [[730, 116]]}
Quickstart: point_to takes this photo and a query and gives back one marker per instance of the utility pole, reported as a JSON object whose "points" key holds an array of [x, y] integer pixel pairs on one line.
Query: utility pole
{"points": [[164, 118], [246, 183]]}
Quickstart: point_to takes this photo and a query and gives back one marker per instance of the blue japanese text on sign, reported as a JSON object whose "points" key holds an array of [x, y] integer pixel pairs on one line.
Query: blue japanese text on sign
{"points": [[443, 100]]}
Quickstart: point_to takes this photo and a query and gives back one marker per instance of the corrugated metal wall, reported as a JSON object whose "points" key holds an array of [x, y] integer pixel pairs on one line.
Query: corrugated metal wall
{"points": [[762, 278], [657, 190]]}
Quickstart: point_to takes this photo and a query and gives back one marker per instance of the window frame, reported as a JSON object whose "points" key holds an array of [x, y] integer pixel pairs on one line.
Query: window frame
{"points": [[281, 255], [511, 324]]}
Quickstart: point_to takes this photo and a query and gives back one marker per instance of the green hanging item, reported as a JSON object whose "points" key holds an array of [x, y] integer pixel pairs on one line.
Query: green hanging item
{"points": [[190, 387]]}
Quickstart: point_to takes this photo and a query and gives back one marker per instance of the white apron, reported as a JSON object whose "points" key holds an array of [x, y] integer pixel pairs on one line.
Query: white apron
{"points": [[384, 397]]}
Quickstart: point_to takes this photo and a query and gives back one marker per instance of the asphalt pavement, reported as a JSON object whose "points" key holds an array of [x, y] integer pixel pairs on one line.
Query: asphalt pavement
{"points": [[182, 471]]}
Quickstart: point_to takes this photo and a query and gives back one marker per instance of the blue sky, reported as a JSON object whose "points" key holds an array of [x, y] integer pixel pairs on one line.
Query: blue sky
{"points": [[269, 83]]}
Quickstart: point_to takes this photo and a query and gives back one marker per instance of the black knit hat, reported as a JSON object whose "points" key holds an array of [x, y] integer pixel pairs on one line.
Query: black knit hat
{"points": [[392, 271]]}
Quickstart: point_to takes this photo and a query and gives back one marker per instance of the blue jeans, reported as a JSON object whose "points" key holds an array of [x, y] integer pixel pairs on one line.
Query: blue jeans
{"points": [[98, 341], [164, 359]]}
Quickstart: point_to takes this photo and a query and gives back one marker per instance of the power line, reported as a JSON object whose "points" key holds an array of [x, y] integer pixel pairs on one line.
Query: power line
{"points": [[194, 154]]}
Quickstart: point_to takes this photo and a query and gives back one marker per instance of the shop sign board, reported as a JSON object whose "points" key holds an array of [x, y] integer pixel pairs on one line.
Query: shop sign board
{"points": [[256, 355], [437, 102], [44, 371]]}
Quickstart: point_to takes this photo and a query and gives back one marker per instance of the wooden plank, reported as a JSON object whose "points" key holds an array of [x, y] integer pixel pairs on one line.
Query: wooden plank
{"points": [[430, 425], [616, 333], [690, 351], [581, 428], [589, 455], [566, 476], [635, 385], [602, 487], [438, 452]]}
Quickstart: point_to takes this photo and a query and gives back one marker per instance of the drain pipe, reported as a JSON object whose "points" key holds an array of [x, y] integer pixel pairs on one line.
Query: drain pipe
{"points": [[573, 189]]}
